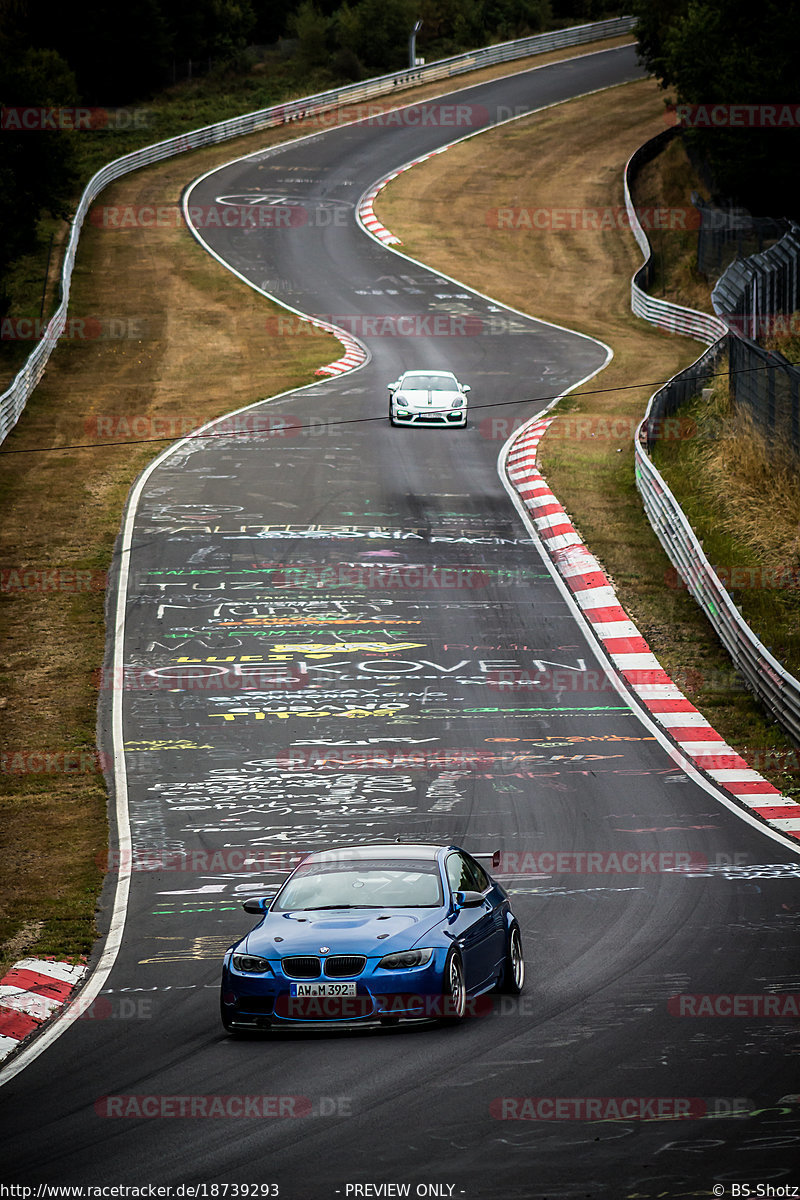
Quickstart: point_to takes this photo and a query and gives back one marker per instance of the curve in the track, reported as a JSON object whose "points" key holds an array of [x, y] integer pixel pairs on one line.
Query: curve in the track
{"points": [[641, 673], [305, 596]]}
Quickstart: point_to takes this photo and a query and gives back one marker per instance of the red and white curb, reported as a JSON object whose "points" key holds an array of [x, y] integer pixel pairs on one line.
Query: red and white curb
{"points": [[627, 649], [33, 990], [354, 354], [366, 211]]}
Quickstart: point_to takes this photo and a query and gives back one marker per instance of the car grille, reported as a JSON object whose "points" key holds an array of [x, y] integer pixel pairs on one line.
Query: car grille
{"points": [[344, 964], [339, 966], [301, 968]]}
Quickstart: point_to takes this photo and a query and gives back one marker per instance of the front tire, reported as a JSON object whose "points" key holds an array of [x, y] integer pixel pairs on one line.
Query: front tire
{"points": [[454, 991], [513, 980]]}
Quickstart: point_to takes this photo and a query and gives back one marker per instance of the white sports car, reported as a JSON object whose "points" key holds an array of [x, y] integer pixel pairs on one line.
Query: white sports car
{"points": [[428, 398]]}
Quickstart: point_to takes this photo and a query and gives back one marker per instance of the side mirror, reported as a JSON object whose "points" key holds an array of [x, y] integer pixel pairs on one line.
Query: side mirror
{"points": [[465, 387], [394, 386], [467, 899], [257, 904]]}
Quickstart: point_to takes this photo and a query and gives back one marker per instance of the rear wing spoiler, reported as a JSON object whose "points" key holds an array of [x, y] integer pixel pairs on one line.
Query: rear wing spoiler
{"points": [[492, 858]]}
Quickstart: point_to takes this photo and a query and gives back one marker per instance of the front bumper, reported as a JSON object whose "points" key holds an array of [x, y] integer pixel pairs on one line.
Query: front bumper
{"points": [[259, 1001], [442, 417]]}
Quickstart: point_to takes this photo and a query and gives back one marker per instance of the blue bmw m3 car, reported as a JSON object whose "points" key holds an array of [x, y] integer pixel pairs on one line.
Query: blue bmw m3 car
{"points": [[374, 933]]}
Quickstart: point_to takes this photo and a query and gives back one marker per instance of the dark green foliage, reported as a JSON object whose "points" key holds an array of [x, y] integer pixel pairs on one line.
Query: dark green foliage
{"points": [[314, 33], [125, 52], [516, 18], [117, 56], [37, 169], [732, 52], [377, 32]]}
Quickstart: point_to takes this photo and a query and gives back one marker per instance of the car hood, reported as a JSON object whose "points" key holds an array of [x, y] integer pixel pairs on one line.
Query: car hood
{"points": [[343, 931], [425, 398]]}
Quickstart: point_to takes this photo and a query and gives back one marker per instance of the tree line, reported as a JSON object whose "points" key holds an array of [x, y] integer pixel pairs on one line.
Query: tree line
{"points": [[732, 67], [54, 55], [704, 52], [123, 52]]}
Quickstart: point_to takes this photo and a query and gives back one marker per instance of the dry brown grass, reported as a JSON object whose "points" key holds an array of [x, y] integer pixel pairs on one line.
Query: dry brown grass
{"points": [[743, 500], [755, 490], [446, 213], [785, 338], [13, 353]]}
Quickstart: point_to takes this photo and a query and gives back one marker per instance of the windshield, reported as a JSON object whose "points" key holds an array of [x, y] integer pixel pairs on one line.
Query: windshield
{"points": [[370, 884], [434, 383]]}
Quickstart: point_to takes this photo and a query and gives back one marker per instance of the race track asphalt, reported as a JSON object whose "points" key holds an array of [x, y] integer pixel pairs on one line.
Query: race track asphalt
{"points": [[308, 596]]}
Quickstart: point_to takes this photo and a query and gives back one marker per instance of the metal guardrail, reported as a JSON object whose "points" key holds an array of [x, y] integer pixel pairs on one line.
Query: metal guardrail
{"points": [[13, 401], [767, 678], [672, 317]]}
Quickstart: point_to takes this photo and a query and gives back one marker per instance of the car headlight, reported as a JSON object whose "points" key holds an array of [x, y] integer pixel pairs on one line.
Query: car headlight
{"points": [[459, 403], [405, 958], [401, 401], [251, 964]]}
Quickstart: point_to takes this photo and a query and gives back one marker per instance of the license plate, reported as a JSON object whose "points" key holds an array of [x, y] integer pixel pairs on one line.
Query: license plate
{"points": [[322, 989]]}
